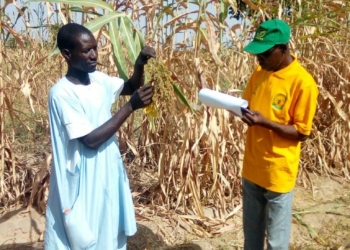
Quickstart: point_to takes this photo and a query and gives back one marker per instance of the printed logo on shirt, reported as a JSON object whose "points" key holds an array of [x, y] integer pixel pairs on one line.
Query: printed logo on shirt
{"points": [[278, 101], [260, 34]]}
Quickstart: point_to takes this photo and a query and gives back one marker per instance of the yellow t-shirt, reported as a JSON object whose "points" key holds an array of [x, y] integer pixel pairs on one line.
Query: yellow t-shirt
{"points": [[288, 96]]}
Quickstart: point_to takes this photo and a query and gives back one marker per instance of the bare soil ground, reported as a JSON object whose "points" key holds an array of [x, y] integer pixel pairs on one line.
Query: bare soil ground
{"points": [[321, 220]]}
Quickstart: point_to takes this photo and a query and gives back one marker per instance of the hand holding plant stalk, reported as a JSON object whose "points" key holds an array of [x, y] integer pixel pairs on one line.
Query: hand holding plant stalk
{"points": [[146, 53]]}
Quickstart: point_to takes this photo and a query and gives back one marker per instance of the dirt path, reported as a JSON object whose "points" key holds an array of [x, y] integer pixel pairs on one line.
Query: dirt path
{"points": [[321, 220]]}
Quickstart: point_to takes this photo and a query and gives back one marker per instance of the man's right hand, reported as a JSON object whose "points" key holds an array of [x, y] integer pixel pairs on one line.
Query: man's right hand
{"points": [[141, 97]]}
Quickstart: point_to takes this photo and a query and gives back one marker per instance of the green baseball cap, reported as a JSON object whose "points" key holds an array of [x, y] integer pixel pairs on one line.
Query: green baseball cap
{"points": [[267, 35]]}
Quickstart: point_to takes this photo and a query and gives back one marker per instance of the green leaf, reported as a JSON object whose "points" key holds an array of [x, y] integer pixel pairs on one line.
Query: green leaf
{"points": [[81, 10], [224, 5], [182, 97], [97, 23], [151, 120], [137, 41], [119, 58], [127, 34], [88, 3], [139, 38]]}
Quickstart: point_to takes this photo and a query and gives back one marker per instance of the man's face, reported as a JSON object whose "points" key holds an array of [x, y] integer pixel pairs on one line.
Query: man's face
{"points": [[84, 56], [271, 59]]}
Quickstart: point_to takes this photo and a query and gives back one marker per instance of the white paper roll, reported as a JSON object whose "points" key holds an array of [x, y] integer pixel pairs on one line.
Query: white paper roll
{"points": [[215, 99]]}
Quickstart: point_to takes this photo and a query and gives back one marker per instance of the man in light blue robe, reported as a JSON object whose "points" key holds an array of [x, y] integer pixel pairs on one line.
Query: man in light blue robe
{"points": [[90, 204]]}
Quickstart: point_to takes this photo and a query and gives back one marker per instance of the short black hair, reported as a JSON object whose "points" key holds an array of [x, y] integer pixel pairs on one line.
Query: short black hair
{"points": [[68, 34]]}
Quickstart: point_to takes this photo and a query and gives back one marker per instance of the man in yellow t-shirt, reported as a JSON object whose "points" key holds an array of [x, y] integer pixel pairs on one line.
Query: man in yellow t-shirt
{"points": [[282, 96]]}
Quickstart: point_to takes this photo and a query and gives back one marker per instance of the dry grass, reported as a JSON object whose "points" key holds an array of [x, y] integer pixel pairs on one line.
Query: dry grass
{"points": [[191, 161], [26, 137]]}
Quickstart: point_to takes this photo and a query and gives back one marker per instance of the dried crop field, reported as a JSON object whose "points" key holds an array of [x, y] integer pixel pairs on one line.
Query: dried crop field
{"points": [[187, 160]]}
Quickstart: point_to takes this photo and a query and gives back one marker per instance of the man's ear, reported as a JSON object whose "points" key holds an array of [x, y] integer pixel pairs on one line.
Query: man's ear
{"points": [[66, 54]]}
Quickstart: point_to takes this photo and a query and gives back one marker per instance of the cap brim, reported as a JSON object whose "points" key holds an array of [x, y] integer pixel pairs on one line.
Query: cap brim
{"points": [[257, 48]]}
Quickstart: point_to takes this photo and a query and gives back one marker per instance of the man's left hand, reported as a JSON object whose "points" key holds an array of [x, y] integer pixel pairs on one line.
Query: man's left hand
{"points": [[146, 53], [256, 119]]}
